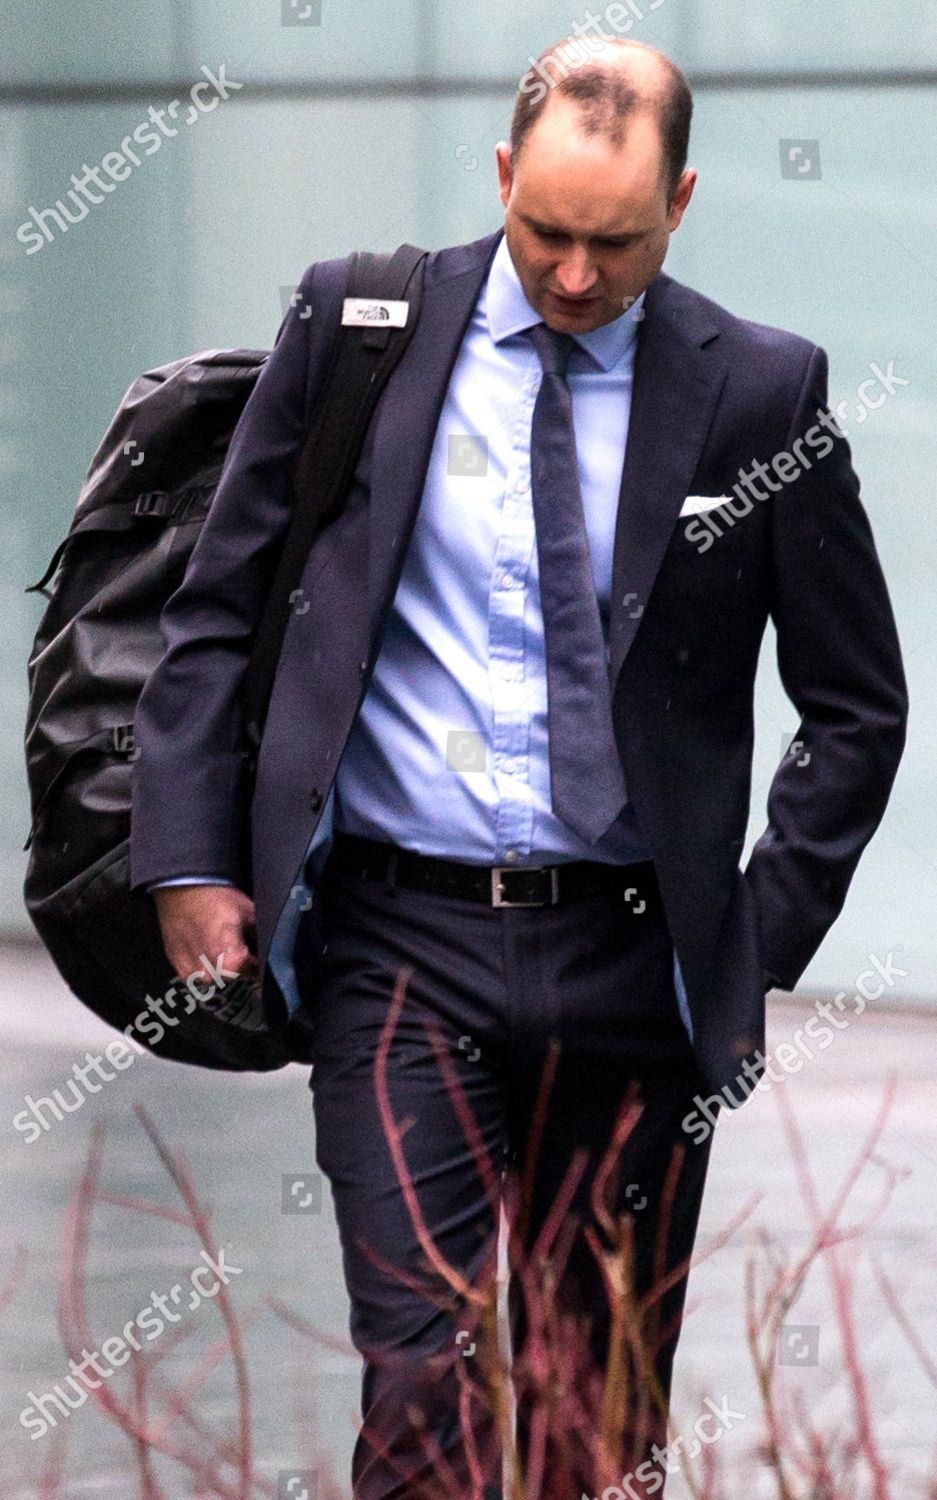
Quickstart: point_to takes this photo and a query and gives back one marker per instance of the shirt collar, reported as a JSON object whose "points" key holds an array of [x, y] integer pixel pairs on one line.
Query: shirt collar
{"points": [[508, 312]]}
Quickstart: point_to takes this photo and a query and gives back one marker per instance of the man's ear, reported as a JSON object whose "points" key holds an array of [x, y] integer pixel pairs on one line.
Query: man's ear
{"points": [[682, 194], [505, 170]]}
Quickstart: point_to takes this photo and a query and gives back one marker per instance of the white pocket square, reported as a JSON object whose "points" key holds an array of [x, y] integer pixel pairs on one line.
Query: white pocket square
{"points": [[694, 504]]}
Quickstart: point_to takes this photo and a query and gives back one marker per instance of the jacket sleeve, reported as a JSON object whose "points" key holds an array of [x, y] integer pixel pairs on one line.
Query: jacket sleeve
{"points": [[187, 803], [840, 663]]}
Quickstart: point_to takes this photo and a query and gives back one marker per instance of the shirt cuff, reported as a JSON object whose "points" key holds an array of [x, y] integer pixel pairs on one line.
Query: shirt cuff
{"points": [[191, 880]]}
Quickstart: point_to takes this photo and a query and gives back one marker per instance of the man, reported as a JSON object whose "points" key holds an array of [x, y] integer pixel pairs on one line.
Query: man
{"points": [[508, 748]]}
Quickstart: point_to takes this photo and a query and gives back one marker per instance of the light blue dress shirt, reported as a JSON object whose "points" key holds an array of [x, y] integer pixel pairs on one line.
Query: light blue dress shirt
{"points": [[449, 752]]}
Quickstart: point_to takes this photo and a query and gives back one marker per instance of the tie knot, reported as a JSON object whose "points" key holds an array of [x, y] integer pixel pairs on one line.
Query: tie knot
{"points": [[553, 348]]}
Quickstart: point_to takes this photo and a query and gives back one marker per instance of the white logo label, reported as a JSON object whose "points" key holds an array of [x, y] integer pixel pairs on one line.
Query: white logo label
{"points": [[362, 312]]}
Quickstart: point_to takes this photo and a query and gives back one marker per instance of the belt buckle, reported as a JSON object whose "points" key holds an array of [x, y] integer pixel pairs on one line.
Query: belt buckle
{"points": [[498, 899]]}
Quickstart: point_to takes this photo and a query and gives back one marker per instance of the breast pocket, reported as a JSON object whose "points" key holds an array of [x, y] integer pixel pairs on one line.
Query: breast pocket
{"points": [[715, 560], [710, 526]]}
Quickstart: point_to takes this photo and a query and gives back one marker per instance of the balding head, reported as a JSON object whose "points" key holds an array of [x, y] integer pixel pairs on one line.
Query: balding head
{"points": [[594, 180], [609, 81]]}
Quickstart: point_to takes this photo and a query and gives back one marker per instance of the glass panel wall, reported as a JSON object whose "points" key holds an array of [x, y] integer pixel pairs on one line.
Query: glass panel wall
{"points": [[366, 124]]}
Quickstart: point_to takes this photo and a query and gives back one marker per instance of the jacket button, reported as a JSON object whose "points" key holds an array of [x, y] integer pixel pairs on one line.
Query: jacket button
{"points": [[315, 799]]}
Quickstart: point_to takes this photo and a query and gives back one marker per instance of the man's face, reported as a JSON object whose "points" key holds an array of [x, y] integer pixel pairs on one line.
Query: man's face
{"points": [[587, 224]]}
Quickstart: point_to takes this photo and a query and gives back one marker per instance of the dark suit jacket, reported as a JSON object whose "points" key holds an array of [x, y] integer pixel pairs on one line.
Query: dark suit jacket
{"points": [[712, 394]]}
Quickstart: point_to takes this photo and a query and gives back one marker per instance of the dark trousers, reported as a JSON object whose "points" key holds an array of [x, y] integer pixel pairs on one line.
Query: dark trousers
{"points": [[504, 986]]}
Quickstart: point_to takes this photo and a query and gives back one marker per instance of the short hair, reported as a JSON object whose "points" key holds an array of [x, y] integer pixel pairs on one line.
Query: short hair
{"points": [[607, 100]]}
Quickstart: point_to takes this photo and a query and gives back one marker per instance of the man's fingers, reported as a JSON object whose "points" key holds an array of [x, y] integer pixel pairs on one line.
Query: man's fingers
{"points": [[206, 929], [237, 956]]}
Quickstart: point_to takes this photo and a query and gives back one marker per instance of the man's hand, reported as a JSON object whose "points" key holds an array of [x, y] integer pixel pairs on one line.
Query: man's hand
{"points": [[200, 922]]}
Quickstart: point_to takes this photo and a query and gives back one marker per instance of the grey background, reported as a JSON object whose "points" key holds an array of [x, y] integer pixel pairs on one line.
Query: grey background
{"points": [[375, 126], [379, 125]]}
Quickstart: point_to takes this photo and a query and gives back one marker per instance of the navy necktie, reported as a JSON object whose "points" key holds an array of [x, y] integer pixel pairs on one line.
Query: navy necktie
{"points": [[586, 781]]}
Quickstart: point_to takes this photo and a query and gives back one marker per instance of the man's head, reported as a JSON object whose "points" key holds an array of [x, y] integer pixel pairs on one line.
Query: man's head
{"points": [[594, 180]]}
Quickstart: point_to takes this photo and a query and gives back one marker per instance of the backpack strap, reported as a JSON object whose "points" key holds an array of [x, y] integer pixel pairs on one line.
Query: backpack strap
{"points": [[361, 361]]}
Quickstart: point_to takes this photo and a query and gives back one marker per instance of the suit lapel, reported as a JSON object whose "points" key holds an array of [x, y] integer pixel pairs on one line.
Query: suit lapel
{"points": [[411, 406], [678, 375]]}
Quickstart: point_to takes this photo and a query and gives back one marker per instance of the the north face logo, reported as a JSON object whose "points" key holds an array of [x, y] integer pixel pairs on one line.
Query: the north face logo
{"points": [[361, 312]]}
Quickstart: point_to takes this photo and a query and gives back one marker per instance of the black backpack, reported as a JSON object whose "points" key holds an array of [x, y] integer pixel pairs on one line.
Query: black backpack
{"points": [[99, 639]]}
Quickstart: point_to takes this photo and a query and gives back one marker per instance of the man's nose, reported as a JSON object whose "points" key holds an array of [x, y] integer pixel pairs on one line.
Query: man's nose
{"points": [[576, 274]]}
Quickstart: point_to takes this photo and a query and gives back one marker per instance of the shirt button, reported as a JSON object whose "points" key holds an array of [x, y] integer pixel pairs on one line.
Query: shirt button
{"points": [[507, 582], [510, 765], [315, 799], [510, 855]]}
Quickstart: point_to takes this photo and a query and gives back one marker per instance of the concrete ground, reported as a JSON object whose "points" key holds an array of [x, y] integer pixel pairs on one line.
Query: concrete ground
{"points": [[242, 1136]]}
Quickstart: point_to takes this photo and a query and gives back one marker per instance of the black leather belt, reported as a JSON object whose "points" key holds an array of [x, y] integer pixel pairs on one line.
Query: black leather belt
{"points": [[497, 885]]}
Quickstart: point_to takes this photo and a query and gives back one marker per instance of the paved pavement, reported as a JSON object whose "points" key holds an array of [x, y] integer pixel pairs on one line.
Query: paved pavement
{"points": [[242, 1135]]}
